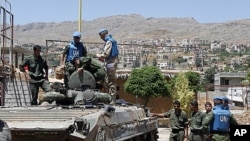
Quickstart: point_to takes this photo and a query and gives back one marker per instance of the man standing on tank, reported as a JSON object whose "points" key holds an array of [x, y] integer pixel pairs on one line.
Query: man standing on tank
{"points": [[178, 122], [110, 57], [36, 73], [74, 49]]}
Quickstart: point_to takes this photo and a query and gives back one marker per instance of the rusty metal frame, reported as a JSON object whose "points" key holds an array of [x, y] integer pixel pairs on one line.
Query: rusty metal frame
{"points": [[6, 42]]}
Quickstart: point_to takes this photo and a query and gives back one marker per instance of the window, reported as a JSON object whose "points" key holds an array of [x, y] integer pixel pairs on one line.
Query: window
{"points": [[226, 82]]}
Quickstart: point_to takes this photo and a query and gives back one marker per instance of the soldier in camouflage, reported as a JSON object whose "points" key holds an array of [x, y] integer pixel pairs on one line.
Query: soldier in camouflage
{"points": [[94, 66], [209, 113], [196, 127], [178, 122]]}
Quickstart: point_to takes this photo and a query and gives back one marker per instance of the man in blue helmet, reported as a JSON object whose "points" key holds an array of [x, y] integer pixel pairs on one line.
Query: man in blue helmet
{"points": [[220, 121], [225, 102], [74, 49], [110, 56]]}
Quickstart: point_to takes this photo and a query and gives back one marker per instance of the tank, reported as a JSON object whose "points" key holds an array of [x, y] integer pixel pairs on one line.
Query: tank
{"points": [[82, 113]]}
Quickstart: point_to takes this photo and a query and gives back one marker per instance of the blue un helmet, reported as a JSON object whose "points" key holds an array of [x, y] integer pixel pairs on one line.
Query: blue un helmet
{"points": [[225, 102], [218, 102], [77, 34], [102, 31]]}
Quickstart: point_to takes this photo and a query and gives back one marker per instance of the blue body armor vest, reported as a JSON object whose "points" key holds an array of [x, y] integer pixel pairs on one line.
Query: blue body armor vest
{"points": [[114, 50], [221, 120], [75, 50]]}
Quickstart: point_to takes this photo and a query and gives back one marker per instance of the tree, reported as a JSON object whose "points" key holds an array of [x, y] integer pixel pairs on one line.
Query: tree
{"points": [[147, 82], [194, 81], [182, 91], [209, 76]]}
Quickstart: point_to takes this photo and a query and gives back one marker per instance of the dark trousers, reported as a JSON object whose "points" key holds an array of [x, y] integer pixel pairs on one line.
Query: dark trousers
{"points": [[34, 87]]}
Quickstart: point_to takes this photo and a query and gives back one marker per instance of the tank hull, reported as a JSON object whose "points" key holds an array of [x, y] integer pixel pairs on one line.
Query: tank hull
{"points": [[56, 122]]}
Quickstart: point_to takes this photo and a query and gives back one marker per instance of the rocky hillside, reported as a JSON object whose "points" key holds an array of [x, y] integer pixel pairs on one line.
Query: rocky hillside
{"points": [[134, 27]]}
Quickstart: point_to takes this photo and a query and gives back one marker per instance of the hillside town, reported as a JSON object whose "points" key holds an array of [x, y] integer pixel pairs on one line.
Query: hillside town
{"points": [[189, 54]]}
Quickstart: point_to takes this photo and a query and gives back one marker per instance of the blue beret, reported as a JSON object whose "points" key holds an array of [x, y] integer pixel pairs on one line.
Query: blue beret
{"points": [[225, 99], [218, 98], [76, 34], [102, 30]]}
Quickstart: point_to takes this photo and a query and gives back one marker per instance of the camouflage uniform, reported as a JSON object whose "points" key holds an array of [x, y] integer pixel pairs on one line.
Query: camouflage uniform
{"points": [[206, 122], [177, 124], [196, 128], [92, 65], [36, 68]]}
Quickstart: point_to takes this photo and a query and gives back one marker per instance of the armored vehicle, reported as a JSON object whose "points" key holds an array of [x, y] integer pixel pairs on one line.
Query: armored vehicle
{"points": [[88, 117]]}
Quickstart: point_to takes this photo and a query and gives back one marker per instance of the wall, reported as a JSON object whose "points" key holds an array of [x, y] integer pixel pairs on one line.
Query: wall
{"points": [[157, 105]]}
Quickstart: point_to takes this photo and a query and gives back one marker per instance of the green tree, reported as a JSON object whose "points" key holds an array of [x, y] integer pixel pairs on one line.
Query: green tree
{"points": [[209, 76], [194, 81], [147, 82], [182, 91]]}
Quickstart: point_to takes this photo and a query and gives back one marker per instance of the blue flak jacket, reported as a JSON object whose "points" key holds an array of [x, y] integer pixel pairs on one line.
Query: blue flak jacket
{"points": [[114, 50], [75, 50]]}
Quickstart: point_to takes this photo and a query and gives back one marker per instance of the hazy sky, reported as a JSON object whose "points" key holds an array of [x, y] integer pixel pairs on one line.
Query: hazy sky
{"points": [[204, 11]]}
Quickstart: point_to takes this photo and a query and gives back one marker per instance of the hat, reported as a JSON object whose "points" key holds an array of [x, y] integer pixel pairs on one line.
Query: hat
{"points": [[218, 98], [102, 30], [77, 34], [225, 99]]}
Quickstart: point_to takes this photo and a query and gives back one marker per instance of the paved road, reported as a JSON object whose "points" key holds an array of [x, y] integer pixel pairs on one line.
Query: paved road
{"points": [[163, 134]]}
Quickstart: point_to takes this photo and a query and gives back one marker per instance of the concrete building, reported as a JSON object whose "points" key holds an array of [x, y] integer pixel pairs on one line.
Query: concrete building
{"points": [[229, 78]]}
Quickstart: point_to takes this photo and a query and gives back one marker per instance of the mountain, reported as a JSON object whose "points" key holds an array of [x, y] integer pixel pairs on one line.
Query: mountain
{"points": [[135, 27]]}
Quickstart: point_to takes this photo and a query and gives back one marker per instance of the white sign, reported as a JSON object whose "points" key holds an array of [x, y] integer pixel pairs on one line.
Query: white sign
{"points": [[236, 93]]}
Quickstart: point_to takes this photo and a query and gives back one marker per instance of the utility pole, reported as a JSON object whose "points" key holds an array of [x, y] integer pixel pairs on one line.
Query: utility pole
{"points": [[171, 65], [80, 16]]}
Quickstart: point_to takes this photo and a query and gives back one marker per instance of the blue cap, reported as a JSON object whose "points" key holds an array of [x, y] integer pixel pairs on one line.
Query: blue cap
{"points": [[102, 30], [76, 34]]}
